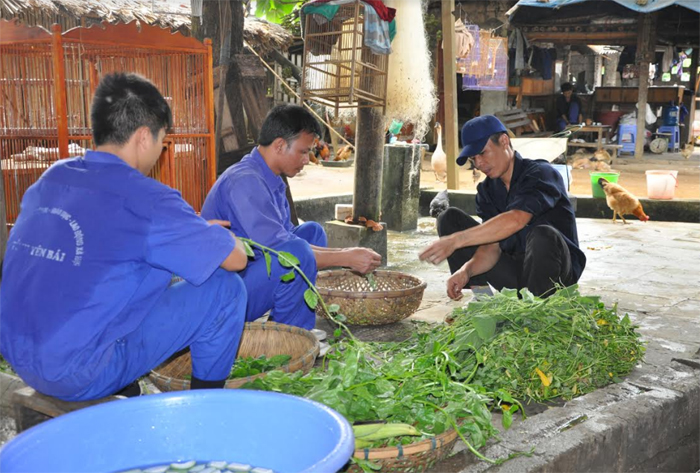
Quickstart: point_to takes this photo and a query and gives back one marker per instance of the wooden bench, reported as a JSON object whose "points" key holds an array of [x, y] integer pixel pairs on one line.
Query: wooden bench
{"points": [[32, 408], [518, 121]]}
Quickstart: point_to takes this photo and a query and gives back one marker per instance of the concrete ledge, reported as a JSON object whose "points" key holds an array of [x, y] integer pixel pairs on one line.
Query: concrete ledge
{"points": [[8, 385], [622, 427], [677, 210], [320, 209]]}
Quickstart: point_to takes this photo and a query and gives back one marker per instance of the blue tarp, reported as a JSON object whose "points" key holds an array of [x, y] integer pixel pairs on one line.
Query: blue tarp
{"points": [[637, 5]]}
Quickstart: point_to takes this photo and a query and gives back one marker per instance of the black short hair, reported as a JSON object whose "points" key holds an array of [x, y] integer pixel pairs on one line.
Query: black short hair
{"points": [[287, 122], [496, 137], [566, 86], [123, 103]]}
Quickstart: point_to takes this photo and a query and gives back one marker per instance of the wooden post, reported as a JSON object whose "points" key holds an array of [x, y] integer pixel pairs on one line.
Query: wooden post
{"points": [[695, 83], [646, 45], [566, 64], [3, 222], [369, 159], [60, 102], [450, 75], [209, 100]]}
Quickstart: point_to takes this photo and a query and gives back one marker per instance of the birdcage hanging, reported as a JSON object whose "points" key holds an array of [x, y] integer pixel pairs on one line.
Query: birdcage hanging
{"points": [[346, 59], [487, 67], [47, 81]]}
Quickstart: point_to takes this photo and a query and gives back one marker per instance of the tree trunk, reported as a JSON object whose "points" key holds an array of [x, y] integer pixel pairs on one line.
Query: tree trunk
{"points": [[229, 14]]}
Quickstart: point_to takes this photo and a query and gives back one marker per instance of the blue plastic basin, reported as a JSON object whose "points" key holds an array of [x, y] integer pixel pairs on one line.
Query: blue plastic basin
{"points": [[277, 431]]}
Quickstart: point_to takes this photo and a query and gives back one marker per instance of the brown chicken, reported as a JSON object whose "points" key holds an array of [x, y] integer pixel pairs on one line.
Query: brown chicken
{"points": [[687, 150], [343, 153], [621, 201]]}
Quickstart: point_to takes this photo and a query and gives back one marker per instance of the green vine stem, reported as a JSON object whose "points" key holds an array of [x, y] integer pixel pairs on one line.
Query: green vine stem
{"points": [[287, 263]]}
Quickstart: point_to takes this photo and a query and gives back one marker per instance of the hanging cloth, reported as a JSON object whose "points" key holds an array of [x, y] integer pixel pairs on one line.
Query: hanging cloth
{"points": [[384, 12], [464, 41], [377, 36], [378, 33]]}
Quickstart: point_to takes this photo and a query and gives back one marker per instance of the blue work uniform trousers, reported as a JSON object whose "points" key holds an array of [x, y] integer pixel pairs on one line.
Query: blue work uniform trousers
{"points": [[574, 112], [285, 299], [208, 318]]}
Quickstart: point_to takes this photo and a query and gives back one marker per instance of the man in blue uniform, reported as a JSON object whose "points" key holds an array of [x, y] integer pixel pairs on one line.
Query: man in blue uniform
{"points": [[528, 235], [251, 195], [87, 302]]}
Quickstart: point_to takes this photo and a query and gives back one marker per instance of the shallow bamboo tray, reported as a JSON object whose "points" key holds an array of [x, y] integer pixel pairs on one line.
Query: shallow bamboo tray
{"points": [[259, 338], [397, 295], [414, 457]]}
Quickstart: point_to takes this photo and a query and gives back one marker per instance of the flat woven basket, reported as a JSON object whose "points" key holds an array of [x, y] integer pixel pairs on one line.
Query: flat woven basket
{"points": [[259, 338], [414, 457], [397, 295]]}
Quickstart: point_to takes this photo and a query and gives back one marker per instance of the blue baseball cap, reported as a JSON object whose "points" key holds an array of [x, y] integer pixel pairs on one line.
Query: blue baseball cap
{"points": [[475, 135]]}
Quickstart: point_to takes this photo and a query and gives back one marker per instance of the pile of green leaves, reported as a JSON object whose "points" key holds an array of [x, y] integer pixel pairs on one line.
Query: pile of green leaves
{"points": [[385, 381], [249, 366], [5, 366], [491, 353], [539, 349]]}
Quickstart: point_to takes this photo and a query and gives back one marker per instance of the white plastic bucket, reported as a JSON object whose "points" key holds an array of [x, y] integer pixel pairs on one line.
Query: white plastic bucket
{"points": [[661, 184]]}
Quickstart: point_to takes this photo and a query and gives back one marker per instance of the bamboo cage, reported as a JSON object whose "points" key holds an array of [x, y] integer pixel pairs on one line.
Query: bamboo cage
{"points": [[47, 81], [340, 71]]}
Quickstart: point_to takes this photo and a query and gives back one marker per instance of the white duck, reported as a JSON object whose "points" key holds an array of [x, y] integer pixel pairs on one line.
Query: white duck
{"points": [[439, 159]]}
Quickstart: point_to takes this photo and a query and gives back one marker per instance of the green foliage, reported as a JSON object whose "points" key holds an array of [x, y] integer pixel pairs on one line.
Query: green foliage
{"points": [[485, 359], [574, 341], [275, 11], [5, 367], [249, 366]]}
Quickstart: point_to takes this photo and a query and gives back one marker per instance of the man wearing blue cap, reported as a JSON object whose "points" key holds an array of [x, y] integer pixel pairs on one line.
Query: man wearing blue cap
{"points": [[527, 238]]}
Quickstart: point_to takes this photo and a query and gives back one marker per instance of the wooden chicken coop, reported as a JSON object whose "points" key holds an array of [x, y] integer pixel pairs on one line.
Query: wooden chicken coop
{"points": [[340, 70], [48, 79]]}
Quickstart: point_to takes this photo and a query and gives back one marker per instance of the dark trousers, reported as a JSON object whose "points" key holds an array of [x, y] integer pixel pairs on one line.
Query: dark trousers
{"points": [[546, 260]]}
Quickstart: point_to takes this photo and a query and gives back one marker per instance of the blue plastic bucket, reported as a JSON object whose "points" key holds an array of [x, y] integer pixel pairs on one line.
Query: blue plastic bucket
{"points": [[270, 430]]}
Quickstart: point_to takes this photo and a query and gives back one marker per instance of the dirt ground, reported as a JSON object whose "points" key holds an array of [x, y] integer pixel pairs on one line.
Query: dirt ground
{"points": [[317, 180]]}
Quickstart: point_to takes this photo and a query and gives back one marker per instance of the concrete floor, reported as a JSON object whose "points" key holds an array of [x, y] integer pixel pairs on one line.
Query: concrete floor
{"points": [[317, 180], [650, 422], [650, 271]]}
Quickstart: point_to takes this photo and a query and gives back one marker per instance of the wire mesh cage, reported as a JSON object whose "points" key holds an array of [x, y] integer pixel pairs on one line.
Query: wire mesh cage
{"points": [[340, 70], [487, 67], [47, 81]]}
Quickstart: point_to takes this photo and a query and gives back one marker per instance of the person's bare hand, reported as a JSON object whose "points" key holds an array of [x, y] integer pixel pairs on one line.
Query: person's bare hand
{"points": [[456, 283], [363, 260], [223, 223], [438, 251]]}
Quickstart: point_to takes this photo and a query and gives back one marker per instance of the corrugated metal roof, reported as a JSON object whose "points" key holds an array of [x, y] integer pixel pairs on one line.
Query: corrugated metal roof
{"points": [[645, 6]]}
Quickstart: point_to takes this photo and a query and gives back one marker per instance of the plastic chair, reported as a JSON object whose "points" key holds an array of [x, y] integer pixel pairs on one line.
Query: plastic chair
{"points": [[627, 137], [675, 138]]}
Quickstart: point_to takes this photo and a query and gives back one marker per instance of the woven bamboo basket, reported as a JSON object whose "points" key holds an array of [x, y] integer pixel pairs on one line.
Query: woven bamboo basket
{"points": [[397, 295], [259, 338], [414, 457]]}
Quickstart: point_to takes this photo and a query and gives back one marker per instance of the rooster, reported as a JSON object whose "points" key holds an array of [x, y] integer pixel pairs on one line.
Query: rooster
{"points": [[621, 201]]}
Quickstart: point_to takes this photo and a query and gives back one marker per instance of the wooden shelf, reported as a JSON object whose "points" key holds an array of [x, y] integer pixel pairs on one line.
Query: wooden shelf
{"points": [[631, 94]]}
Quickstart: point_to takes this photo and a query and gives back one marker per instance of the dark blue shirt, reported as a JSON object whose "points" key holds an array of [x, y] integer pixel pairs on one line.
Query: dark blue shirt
{"points": [[254, 200], [538, 189], [94, 247]]}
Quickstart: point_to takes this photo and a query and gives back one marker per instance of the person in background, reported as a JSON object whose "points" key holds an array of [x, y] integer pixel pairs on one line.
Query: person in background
{"points": [[569, 108], [88, 305], [251, 195], [528, 236]]}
